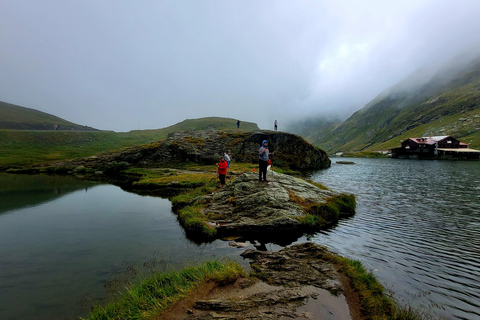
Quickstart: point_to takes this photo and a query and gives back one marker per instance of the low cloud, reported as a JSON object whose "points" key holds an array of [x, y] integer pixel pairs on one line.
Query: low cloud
{"points": [[149, 64]]}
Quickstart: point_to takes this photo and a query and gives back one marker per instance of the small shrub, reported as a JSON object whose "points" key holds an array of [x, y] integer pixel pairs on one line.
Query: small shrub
{"points": [[328, 211], [115, 168], [312, 220], [194, 221]]}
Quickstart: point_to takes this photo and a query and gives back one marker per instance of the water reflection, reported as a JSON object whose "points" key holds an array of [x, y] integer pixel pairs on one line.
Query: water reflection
{"points": [[417, 226], [18, 191], [57, 257]]}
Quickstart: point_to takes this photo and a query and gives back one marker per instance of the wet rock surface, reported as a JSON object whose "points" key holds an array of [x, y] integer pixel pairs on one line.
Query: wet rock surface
{"points": [[299, 265], [297, 282], [248, 207]]}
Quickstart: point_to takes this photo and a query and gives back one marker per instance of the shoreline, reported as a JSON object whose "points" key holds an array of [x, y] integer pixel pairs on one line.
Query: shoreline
{"points": [[302, 281]]}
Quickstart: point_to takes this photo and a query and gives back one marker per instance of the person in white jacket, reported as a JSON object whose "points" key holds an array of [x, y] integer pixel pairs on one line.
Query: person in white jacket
{"points": [[227, 158]]}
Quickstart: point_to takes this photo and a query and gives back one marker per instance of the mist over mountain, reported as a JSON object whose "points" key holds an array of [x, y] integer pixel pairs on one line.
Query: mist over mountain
{"points": [[441, 100]]}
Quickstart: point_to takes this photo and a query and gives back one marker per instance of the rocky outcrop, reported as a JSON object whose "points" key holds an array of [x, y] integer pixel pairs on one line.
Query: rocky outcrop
{"points": [[207, 147], [280, 210], [297, 282]]}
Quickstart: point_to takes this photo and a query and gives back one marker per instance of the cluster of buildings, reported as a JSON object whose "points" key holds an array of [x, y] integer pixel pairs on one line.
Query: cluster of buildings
{"points": [[435, 147]]}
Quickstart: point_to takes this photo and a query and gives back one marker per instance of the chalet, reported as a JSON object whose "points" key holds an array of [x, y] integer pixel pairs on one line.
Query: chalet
{"points": [[443, 147]]}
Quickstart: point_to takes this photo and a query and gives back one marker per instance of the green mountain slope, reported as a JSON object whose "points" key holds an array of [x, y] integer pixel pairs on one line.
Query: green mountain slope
{"points": [[20, 118], [448, 104], [36, 146], [208, 123]]}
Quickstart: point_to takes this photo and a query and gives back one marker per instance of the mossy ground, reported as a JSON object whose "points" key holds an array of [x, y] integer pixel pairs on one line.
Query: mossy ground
{"points": [[320, 215]]}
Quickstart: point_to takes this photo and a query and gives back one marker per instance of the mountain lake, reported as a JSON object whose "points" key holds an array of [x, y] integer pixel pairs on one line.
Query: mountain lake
{"points": [[67, 244]]}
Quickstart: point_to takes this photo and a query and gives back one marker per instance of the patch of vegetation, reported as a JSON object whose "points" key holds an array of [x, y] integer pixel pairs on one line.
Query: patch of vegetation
{"points": [[190, 213], [115, 168], [24, 147], [288, 171], [212, 123], [327, 213], [175, 179], [194, 222], [186, 198], [34, 147], [154, 294], [317, 184], [375, 304]]}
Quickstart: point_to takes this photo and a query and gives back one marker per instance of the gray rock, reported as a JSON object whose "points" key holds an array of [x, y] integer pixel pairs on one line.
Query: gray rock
{"points": [[246, 206], [297, 282], [208, 146]]}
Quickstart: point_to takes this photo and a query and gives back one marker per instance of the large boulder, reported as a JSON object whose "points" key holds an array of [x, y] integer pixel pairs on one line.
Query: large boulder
{"points": [[278, 211], [207, 147]]}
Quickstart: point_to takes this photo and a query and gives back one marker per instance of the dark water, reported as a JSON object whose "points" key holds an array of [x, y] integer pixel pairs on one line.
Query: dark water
{"points": [[417, 227], [65, 244]]}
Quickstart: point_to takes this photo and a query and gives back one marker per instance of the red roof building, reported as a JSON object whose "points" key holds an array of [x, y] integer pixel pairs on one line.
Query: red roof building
{"points": [[435, 147]]}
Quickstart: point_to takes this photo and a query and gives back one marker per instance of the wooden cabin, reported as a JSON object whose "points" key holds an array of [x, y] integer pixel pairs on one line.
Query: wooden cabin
{"points": [[444, 147]]}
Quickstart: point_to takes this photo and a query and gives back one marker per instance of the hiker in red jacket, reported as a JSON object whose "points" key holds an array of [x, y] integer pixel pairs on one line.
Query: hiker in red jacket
{"points": [[222, 170]]}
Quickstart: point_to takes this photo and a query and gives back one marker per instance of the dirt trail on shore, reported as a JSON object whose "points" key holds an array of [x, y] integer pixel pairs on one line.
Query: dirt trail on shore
{"points": [[297, 282]]}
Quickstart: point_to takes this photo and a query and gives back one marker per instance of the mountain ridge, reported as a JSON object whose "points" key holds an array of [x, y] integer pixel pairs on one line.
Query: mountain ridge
{"points": [[14, 117], [448, 103]]}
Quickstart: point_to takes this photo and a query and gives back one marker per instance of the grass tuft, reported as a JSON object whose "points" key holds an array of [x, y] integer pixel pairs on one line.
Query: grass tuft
{"points": [[154, 294]]}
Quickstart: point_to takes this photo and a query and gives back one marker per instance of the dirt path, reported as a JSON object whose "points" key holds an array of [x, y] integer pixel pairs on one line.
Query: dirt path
{"points": [[295, 283]]}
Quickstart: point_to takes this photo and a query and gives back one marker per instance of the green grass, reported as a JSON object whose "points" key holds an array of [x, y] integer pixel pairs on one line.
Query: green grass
{"points": [[190, 213], [323, 214], [375, 304], [212, 123], [467, 132], [154, 294], [28, 147], [39, 146], [20, 118]]}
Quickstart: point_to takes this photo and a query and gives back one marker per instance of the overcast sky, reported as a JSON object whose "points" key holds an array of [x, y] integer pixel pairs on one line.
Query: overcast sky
{"points": [[124, 65]]}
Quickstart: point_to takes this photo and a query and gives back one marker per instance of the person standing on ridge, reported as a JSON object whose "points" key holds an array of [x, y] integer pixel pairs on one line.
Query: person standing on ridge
{"points": [[275, 125], [222, 171], [238, 124], [263, 162]]}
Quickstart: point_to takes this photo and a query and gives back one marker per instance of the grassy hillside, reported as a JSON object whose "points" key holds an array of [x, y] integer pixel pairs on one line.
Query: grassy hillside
{"points": [[19, 118], [37, 146], [448, 104], [212, 123]]}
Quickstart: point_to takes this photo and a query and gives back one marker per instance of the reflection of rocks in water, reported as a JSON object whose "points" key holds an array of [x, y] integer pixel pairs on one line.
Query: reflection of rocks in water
{"points": [[296, 282], [18, 190]]}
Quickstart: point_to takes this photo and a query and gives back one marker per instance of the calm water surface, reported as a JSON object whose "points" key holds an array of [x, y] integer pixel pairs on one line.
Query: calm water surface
{"points": [[68, 239], [417, 227], [64, 243]]}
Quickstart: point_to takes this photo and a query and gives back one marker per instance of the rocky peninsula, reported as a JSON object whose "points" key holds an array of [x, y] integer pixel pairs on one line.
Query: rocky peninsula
{"points": [[278, 211], [206, 147]]}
